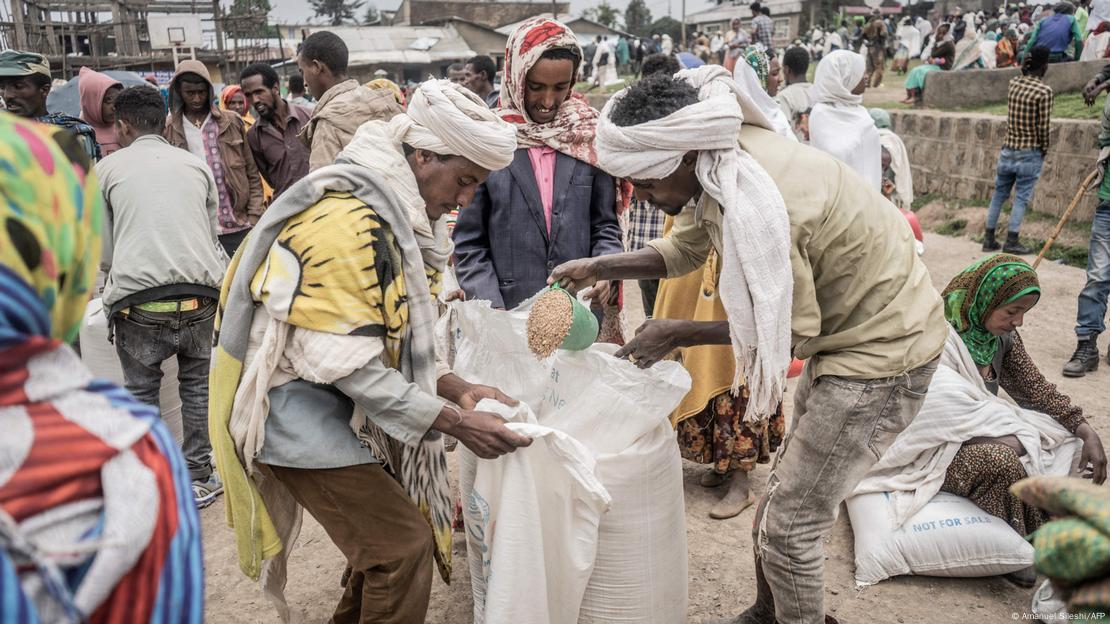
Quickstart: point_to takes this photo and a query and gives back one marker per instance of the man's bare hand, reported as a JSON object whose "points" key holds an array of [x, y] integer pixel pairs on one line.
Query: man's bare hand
{"points": [[575, 275], [485, 434], [472, 396], [654, 340]]}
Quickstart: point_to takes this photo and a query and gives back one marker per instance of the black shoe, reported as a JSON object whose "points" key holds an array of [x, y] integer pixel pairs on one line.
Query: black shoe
{"points": [[1014, 246], [1085, 358], [989, 242], [1024, 578]]}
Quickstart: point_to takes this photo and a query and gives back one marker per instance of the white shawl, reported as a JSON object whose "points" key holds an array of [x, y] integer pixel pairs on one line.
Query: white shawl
{"points": [[746, 77], [839, 124], [958, 408], [756, 279], [900, 162]]}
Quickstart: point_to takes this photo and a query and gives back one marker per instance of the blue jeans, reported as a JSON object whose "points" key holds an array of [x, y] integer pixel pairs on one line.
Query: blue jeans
{"points": [[1018, 169], [143, 341], [1092, 299]]}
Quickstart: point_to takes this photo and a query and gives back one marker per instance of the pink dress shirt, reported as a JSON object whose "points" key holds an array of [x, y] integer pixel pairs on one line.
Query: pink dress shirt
{"points": [[543, 166]]}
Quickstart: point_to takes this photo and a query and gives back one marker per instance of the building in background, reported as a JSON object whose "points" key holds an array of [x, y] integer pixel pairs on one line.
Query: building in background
{"points": [[791, 17], [491, 13]]}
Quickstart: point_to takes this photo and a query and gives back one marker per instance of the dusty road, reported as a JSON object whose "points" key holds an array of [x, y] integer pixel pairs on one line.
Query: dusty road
{"points": [[721, 568]]}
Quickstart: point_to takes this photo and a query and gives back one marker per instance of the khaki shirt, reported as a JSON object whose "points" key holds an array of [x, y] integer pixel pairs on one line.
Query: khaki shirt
{"points": [[864, 305]]}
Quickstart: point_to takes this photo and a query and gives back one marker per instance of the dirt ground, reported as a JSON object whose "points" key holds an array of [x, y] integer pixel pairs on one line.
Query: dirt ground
{"points": [[720, 552]]}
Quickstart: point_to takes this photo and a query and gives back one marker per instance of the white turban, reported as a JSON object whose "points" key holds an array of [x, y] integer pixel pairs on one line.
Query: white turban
{"points": [[447, 119], [443, 118], [756, 282]]}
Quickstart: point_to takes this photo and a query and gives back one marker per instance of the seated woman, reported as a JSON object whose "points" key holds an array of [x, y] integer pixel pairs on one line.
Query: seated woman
{"points": [[985, 305], [969, 442], [942, 56]]}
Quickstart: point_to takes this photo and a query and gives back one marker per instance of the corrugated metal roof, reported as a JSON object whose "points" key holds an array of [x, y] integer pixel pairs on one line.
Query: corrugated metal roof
{"points": [[369, 45]]}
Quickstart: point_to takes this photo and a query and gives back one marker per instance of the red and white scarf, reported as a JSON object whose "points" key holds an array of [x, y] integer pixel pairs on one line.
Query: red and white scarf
{"points": [[572, 131]]}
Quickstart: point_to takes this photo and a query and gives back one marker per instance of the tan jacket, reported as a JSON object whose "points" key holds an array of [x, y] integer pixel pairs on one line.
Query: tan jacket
{"points": [[338, 114], [244, 186], [864, 305]]}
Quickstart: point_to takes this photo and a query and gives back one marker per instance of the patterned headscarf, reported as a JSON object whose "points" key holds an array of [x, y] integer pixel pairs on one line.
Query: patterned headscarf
{"points": [[229, 92], [759, 61], [575, 125], [981, 289], [572, 131], [97, 519], [50, 242]]}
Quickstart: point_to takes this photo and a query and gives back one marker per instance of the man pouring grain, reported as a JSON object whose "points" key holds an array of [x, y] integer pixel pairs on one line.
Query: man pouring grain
{"points": [[823, 270], [326, 388]]}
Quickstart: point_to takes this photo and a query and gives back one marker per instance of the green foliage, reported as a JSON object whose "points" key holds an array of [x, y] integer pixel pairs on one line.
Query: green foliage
{"points": [[248, 18], [667, 26], [637, 18], [953, 227], [603, 14], [338, 12], [1066, 105]]}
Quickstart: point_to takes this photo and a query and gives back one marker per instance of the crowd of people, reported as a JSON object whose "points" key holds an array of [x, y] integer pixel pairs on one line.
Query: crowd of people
{"points": [[316, 236]]}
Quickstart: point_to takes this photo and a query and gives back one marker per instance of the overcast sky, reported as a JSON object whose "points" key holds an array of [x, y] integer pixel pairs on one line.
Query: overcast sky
{"points": [[294, 11]]}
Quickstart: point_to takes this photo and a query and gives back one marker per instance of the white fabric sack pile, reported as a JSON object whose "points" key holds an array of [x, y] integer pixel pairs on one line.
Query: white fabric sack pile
{"points": [[950, 536], [901, 493], [601, 420], [100, 356]]}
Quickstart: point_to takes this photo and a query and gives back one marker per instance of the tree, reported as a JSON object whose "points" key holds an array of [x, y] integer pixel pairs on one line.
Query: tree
{"points": [[637, 18], [667, 26], [247, 18], [337, 11], [372, 17], [603, 14]]}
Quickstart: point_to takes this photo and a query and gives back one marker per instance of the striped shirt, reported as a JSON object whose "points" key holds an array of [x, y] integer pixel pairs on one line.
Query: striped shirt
{"points": [[1028, 114]]}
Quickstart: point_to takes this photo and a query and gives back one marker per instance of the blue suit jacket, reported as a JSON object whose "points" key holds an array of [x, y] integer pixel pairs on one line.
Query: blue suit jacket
{"points": [[503, 252]]}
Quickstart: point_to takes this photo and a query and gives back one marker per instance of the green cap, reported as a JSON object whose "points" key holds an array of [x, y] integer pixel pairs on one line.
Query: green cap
{"points": [[19, 63]]}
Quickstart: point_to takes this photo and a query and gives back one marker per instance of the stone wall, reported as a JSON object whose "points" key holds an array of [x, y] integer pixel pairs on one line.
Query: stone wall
{"points": [[954, 155], [973, 87]]}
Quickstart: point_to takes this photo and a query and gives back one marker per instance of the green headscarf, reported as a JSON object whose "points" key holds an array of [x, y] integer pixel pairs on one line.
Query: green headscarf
{"points": [[980, 289], [880, 117], [760, 62]]}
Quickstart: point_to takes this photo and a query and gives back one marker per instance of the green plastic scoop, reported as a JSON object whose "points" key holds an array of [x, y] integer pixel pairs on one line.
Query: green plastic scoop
{"points": [[583, 329]]}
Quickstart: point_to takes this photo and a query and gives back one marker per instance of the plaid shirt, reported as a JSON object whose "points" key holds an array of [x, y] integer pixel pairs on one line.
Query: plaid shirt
{"points": [[645, 223], [764, 32], [1029, 114]]}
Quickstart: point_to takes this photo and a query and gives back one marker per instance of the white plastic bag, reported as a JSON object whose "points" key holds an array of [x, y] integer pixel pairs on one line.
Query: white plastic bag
{"points": [[617, 412], [632, 543], [531, 520], [950, 536], [100, 356]]}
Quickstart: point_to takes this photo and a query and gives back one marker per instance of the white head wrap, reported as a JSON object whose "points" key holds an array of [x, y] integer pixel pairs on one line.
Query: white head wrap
{"points": [[448, 119], [837, 74], [756, 282], [443, 118], [747, 79], [838, 123]]}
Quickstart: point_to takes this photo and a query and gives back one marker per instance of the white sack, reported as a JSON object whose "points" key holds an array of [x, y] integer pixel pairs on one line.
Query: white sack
{"points": [[949, 536], [618, 413]]}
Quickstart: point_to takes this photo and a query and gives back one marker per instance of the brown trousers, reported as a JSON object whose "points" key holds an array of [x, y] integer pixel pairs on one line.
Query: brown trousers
{"points": [[386, 540]]}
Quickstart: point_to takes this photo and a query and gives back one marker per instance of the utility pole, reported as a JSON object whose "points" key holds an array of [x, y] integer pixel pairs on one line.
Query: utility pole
{"points": [[219, 39], [554, 9], [684, 25]]}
